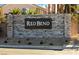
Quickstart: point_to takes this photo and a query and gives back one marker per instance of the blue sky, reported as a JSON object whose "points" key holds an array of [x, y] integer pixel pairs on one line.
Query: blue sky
{"points": [[42, 5]]}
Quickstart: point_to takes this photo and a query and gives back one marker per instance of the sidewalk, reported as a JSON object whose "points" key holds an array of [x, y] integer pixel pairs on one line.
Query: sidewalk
{"points": [[6, 51]]}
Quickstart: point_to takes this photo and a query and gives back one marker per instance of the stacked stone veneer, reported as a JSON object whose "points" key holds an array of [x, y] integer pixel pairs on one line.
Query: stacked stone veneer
{"points": [[60, 27]]}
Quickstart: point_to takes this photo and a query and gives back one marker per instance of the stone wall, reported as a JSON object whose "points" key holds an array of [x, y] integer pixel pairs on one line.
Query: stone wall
{"points": [[60, 27]]}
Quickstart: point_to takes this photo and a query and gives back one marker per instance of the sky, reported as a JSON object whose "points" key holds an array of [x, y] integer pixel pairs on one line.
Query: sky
{"points": [[42, 5]]}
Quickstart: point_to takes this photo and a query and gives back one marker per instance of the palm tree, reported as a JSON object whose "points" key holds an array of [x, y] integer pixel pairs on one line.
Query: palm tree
{"points": [[48, 8], [70, 8], [51, 8], [67, 8]]}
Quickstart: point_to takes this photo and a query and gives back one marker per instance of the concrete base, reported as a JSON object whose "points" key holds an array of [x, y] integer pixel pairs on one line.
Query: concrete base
{"points": [[32, 47]]}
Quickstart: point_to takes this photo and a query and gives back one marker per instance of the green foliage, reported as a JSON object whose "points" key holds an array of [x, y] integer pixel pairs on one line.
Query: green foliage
{"points": [[23, 11], [77, 7], [31, 11], [75, 17], [15, 11]]}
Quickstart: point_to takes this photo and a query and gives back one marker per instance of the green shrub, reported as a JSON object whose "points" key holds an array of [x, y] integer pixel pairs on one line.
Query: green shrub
{"points": [[23, 11], [34, 11], [31, 11], [15, 11]]}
